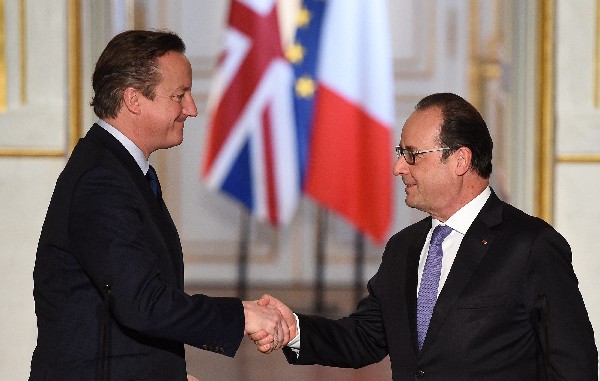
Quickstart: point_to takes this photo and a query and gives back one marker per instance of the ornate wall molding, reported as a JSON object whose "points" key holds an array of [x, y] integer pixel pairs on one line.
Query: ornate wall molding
{"points": [[45, 112]]}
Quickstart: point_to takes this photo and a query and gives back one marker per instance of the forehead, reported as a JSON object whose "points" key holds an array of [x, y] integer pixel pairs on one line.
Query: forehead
{"points": [[421, 129], [176, 70]]}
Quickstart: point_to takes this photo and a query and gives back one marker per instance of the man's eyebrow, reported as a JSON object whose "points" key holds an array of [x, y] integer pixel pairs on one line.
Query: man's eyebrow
{"points": [[182, 88]]}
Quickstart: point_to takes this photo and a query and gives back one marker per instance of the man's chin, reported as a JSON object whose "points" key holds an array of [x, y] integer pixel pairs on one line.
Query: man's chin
{"points": [[177, 139], [411, 202], [172, 143]]}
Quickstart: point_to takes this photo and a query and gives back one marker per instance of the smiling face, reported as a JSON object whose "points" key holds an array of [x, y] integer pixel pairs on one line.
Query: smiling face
{"points": [[432, 185], [161, 120]]}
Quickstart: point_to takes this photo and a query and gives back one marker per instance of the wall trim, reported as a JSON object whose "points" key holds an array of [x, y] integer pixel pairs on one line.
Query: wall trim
{"points": [[545, 130], [74, 48]]}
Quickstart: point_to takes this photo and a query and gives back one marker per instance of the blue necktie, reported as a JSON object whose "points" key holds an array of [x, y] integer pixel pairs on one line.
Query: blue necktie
{"points": [[153, 181], [430, 281]]}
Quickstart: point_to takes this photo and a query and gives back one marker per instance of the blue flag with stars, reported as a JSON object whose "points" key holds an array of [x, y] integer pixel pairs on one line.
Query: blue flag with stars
{"points": [[303, 54]]}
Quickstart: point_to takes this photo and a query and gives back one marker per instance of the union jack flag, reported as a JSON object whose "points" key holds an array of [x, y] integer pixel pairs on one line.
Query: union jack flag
{"points": [[251, 151]]}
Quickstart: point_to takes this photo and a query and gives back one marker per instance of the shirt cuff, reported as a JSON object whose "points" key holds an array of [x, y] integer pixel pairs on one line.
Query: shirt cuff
{"points": [[294, 344]]}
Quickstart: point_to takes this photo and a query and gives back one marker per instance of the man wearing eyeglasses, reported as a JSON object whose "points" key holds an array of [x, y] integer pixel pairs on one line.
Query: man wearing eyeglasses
{"points": [[493, 298]]}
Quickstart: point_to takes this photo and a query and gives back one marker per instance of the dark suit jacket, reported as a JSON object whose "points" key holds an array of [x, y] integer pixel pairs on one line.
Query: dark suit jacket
{"points": [[510, 292], [104, 226]]}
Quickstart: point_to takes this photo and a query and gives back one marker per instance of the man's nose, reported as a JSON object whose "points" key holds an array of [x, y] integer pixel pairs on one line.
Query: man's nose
{"points": [[400, 167], [189, 106]]}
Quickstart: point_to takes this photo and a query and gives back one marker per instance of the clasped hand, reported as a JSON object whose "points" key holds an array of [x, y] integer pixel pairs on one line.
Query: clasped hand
{"points": [[269, 323]]}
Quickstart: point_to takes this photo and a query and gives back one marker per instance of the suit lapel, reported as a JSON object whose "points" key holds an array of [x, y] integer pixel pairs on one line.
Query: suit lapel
{"points": [[172, 240], [472, 250], [157, 209]]}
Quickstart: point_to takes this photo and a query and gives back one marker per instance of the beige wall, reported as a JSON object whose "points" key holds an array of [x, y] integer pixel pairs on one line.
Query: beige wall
{"points": [[485, 51], [25, 187], [577, 155]]}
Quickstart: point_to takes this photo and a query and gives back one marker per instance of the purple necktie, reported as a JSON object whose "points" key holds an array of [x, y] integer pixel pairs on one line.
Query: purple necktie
{"points": [[430, 281]]}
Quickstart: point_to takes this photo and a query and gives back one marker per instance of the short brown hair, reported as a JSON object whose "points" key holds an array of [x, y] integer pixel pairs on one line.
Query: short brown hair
{"points": [[462, 126], [130, 60]]}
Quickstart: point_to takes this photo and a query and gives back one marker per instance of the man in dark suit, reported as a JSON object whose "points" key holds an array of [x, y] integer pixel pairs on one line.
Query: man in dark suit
{"points": [[108, 278], [508, 304]]}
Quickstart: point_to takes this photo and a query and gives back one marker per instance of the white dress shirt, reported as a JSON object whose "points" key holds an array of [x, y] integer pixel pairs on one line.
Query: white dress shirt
{"points": [[130, 146], [460, 223]]}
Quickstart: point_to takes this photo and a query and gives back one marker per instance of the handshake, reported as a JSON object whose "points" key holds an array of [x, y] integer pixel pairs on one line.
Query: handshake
{"points": [[269, 323]]}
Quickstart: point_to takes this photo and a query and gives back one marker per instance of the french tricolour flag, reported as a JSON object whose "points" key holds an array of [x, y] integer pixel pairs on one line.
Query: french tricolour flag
{"points": [[349, 166], [251, 151]]}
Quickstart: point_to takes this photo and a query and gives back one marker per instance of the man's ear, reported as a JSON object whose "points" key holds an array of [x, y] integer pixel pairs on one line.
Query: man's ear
{"points": [[463, 160], [131, 100]]}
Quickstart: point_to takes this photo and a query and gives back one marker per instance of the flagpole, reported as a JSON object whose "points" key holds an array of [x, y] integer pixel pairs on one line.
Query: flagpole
{"points": [[359, 266], [320, 260], [242, 287]]}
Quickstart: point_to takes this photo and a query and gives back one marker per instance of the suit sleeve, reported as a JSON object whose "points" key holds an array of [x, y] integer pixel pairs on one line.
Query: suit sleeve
{"points": [[559, 312], [115, 240], [351, 342]]}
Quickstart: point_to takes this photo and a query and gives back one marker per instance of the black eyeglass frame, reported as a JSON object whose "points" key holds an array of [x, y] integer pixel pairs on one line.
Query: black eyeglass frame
{"points": [[410, 156]]}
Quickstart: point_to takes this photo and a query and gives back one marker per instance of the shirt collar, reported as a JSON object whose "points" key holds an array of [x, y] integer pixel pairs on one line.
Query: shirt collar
{"points": [[464, 217], [130, 146]]}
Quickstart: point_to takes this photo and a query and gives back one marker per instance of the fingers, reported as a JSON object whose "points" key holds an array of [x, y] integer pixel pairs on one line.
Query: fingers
{"points": [[267, 340], [260, 335], [285, 311], [267, 325], [266, 349], [266, 318], [264, 300], [263, 340], [286, 331], [280, 338]]}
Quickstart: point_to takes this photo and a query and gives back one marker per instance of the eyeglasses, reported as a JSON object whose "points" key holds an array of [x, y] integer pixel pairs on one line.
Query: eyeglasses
{"points": [[410, 156]]}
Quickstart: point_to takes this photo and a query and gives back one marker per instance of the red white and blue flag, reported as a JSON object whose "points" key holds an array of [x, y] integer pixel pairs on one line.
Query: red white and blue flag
{"points": [[251, 151], [324, 127], [349, 160]]}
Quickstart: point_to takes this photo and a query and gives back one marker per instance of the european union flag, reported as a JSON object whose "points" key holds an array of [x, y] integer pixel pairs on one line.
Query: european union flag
{"points": [[304, 54]]}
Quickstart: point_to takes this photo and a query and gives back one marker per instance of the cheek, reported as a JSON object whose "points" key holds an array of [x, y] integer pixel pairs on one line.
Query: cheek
{"points": [[432, 180], [169, 113], [176, 110], [443, 183]]}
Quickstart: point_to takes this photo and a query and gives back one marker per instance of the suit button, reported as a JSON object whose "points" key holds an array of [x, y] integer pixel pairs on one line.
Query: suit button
{"points": [[420, 373]]}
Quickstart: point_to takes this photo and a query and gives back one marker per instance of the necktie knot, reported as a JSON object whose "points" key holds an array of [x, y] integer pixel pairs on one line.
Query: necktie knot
{"points": [[439, 234], [153, 181]]}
